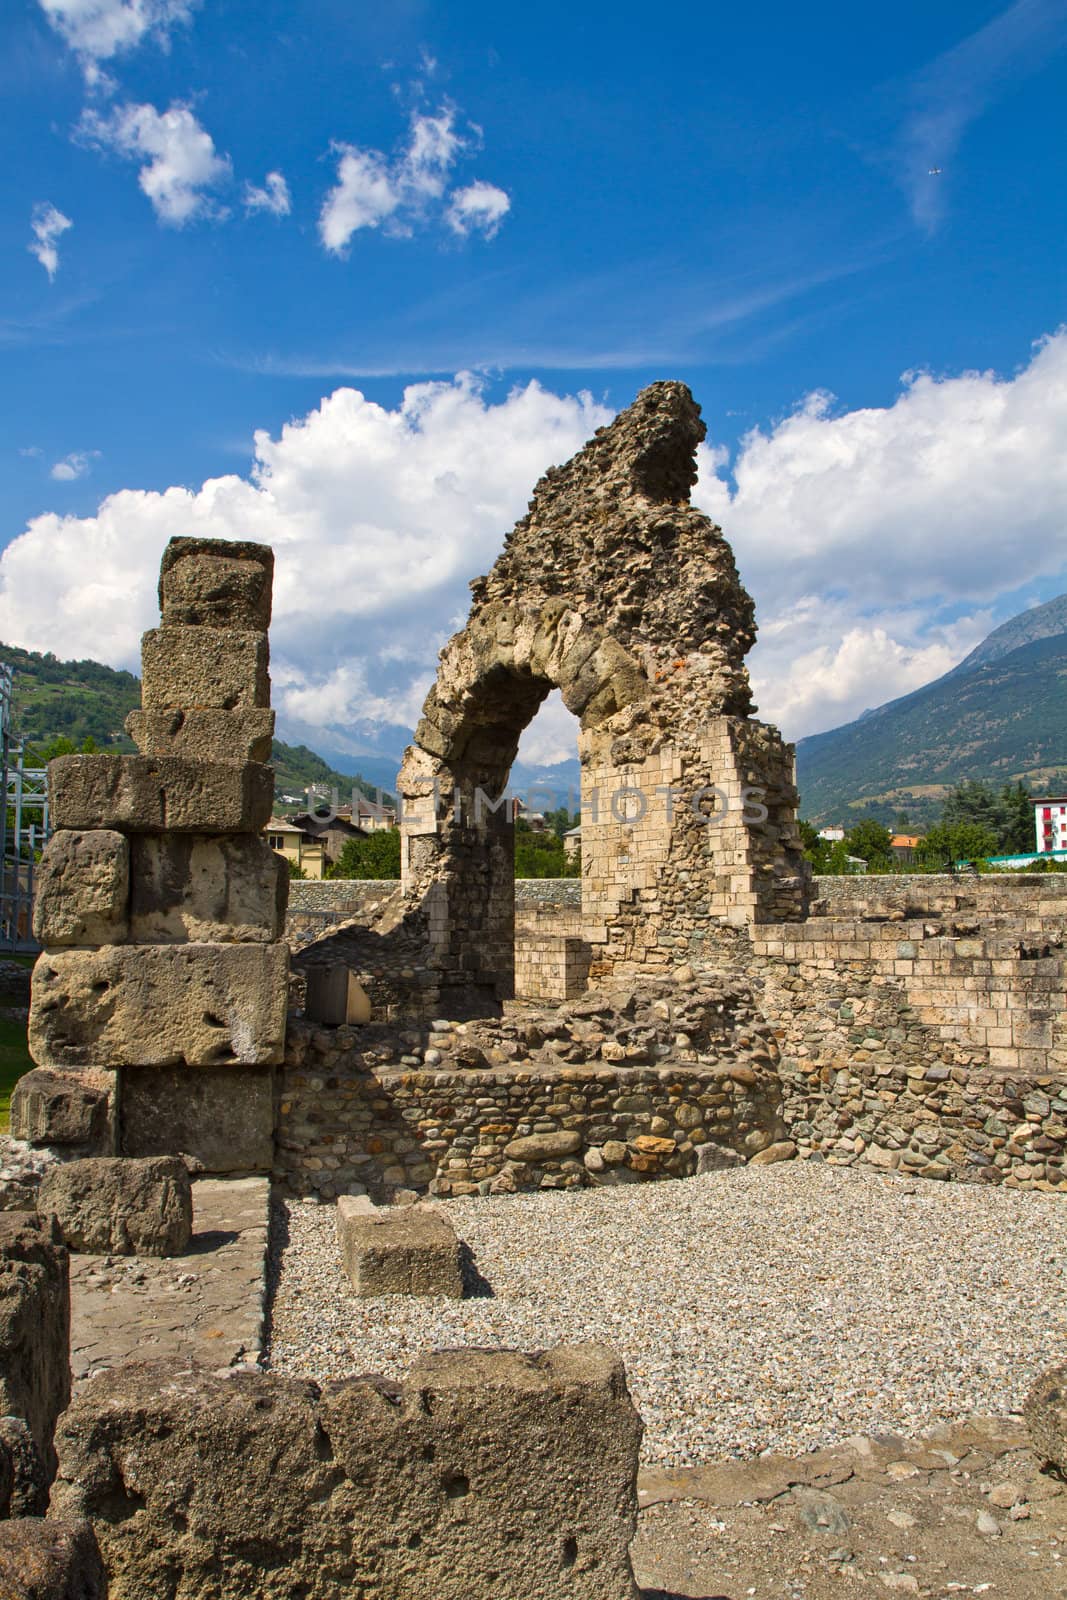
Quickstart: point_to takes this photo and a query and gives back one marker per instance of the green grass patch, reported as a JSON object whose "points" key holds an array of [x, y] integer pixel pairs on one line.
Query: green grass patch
{"points": [[14, 1061]]}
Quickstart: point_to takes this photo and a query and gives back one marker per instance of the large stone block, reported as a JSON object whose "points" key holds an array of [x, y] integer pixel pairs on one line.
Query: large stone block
{"points": [[220, 668], [34, 1350], [216, 590], [111, 1205], [202, 576], [224, 1116], [57, 1108], [204, 888], [1045, 1413], [82, 888], [204, 734], [486, 1476], [397, 1250], [43, 1558], [196, 1005], [157, 794]]}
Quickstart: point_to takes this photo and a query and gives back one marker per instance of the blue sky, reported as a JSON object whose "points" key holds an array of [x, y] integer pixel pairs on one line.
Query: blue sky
{"points": [[582, 199]]}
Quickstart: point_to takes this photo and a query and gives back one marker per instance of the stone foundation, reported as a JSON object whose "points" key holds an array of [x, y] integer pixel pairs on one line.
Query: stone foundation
{"points": [[614, 1088]]}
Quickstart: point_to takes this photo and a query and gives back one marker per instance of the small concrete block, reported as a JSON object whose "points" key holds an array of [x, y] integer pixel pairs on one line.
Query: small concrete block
{"points": [[188, 888], [109, 1205], [141, 794], [196, 1005], [205, 734], [43, 1558], [82, 886], [224, 1116], [216, 590], [220, 668], [65, 1109], [403, 1250]]}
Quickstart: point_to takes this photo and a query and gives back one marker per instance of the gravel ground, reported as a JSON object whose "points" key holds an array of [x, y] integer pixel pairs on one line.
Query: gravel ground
{"points": [[783, 1307]]}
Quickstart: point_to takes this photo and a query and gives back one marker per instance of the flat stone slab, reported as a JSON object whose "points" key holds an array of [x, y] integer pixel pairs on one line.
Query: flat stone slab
{"points": [[204, 733], [224, 1116], [962, 1509], [207, 1305], [397, 1250], [160, 794], [197, 1005]]}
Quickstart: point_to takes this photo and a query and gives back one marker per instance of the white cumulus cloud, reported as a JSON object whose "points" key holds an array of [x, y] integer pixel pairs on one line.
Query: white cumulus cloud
{"points": [[273, 197], [180, 163], [378, 517], [876, 542], [47, 225], [893, 517], [480, 207], [371, 189], [97, 30]]}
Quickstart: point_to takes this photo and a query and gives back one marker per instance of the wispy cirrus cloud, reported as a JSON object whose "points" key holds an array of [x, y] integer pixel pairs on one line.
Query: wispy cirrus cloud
{"points": [[47, 225], [78, 464], [273, 198], [956, 88]]}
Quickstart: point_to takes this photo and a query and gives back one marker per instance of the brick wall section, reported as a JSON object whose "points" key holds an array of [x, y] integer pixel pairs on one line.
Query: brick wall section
{"points": [[886, 1055]]}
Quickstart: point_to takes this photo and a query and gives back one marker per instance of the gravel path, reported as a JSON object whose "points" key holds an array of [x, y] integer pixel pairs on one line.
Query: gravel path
{"points": [[782, 1307]]}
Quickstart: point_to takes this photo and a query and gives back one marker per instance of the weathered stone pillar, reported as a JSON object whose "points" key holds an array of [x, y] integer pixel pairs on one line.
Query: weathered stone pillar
{"points": [[160, 906]]}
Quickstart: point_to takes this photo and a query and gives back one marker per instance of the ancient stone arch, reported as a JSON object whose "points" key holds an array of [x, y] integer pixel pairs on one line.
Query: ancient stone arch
{"points": [[616, 590]]}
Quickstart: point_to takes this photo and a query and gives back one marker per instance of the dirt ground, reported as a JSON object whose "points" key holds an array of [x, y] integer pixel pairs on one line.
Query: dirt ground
{"points": [[965, 1510]]}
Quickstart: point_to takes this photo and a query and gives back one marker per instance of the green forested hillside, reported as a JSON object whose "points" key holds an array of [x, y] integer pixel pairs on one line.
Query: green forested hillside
{"points": [[1001, 719], [77, 699], [81, 700]]}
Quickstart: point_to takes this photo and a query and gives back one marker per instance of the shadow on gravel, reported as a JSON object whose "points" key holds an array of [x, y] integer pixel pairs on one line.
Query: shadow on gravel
{"points": [[673, 1594], [475, 1287], [211, 1239]]}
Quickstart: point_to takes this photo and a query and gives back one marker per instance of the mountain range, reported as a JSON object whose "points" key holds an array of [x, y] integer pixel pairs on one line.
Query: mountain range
{"points": [[1000, 716]]}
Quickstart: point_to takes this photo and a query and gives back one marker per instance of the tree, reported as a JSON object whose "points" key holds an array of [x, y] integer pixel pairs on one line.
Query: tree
{"points": [[377, 855], [951, 842], [295, 871], [542, 855], [871, 842]]}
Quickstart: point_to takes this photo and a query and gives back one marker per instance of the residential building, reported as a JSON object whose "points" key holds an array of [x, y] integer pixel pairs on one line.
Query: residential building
{"points": [[296, 846], [904, 845], [833, 833], [1050, 823]]}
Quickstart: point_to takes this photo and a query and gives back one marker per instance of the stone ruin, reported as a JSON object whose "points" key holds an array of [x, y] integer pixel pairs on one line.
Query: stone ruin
{"points": [[618, 592], [158, 1025]]}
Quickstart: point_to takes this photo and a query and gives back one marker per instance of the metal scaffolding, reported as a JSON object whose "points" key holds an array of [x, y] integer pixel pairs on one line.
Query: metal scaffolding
{"points": [[24, 830]]}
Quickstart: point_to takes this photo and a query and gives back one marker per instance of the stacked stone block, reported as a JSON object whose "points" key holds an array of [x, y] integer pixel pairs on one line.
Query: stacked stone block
{"points": [[160, 907]]}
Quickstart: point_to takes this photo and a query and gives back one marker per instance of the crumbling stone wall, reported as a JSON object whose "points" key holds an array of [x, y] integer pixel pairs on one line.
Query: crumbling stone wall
{"points": [[621, 594], [486, 1473], [621, 1086], [160, 909]]}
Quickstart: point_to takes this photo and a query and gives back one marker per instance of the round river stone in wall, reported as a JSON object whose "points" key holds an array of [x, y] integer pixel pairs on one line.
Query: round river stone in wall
{"points": [[544, 1146]]}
